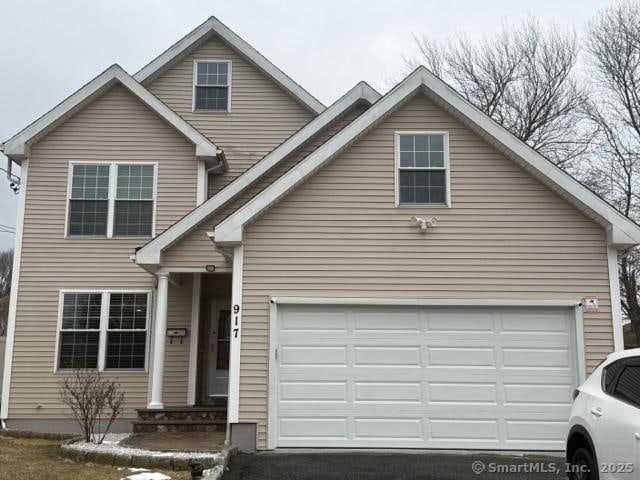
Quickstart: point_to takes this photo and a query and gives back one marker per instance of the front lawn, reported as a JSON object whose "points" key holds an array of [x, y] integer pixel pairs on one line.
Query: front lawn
{"points": [[33, 458]]}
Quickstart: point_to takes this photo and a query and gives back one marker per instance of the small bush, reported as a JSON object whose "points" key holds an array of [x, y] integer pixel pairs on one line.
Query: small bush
{"points": [[93, 401]]}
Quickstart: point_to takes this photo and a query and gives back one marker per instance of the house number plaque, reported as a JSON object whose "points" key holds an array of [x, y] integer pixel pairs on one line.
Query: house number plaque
{"points": [[236, 320]]}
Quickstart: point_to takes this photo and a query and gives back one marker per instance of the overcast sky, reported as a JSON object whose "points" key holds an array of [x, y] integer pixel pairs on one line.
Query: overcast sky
{"points": [[48, 49]]}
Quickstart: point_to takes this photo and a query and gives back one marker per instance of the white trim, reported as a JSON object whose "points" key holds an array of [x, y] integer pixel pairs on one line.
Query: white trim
{"points": [[272, 362], [580, 345], [201, 183], [151, 253], [233, 408], [428, 302], [616, 303], [105, 301], [193, 343], [159, 342], [213, 26], [111, 200], [620, 230], [13, 295], [196, 61], [447, 176], [17, 147]]}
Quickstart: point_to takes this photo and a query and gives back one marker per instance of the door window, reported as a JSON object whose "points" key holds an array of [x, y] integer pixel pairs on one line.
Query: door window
{"points": [[222, 355]]}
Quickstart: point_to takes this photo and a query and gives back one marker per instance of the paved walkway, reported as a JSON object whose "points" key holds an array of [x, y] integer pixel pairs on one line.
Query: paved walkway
{"points": [[392, 466]]}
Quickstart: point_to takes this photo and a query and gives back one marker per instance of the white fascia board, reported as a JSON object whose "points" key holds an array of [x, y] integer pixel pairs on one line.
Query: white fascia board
{"points": [[213, 25], [18, 145], [151, 253], [623, 232]]}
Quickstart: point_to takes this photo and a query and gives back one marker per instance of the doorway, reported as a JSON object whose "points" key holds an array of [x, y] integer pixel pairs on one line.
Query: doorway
{"points": [[214, 339]]}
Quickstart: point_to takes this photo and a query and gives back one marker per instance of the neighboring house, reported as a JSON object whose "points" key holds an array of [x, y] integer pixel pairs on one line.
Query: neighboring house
{"points": [[206, 229]]}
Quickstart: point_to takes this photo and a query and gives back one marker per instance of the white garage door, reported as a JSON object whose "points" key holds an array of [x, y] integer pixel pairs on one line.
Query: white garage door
{"points": [[424, 377]]}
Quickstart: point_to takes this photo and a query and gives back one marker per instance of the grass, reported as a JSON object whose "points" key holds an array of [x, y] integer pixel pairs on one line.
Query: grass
{"points": [[34, 458]]}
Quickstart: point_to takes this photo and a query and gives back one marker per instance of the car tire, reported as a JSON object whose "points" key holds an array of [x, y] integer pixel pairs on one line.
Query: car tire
{"points": [[583, 466]]}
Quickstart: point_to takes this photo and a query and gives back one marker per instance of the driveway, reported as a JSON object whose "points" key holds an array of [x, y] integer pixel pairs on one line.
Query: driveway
{"points": [[393, 466]]}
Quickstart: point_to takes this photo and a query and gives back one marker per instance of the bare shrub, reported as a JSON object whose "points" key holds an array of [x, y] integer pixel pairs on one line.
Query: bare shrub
{"points": [[93, 401]]}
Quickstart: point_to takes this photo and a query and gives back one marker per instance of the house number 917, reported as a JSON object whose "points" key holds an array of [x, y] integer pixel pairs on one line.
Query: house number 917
{"points": [[236, 320]]}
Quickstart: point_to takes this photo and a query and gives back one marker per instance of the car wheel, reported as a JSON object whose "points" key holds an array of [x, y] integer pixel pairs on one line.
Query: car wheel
{"points": [[583, 466]]}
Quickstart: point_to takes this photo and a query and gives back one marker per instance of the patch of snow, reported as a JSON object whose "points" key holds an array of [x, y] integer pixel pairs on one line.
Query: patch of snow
{"points": [[148, 476], [113, 447]]}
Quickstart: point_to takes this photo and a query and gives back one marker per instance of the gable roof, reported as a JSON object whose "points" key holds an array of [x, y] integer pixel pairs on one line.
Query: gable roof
{"points": [[621, 231], [151, 253], [17, 147], [213, 26]]}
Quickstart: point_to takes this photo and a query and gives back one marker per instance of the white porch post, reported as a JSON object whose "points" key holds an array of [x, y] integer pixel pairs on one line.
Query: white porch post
{"points": [[159, 341]]}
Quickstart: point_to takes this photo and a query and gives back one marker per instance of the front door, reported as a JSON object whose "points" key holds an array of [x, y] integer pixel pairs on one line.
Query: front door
{"points": [[218, 351]]}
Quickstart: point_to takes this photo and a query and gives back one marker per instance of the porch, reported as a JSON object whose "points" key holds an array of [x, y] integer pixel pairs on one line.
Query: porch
{"points": [[190, 352]]}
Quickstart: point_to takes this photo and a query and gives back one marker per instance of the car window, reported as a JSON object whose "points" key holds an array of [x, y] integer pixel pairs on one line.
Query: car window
{"points": [[628, 385], [609, 374]]}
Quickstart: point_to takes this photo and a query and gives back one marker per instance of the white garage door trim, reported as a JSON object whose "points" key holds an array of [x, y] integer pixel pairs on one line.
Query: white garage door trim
{"points": [[273, 332]]}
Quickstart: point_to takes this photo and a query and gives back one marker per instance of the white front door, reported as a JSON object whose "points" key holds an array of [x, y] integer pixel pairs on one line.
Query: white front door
{"points": [[424, 377], [218, 351]]}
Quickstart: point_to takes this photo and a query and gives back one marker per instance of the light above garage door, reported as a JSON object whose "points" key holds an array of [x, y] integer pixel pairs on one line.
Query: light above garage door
{"points": [[423, 377]]}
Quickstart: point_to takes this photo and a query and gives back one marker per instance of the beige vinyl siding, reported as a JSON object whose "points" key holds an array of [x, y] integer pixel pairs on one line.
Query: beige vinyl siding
{"points": [[507, 236], [262, 114], [116, 126], [196, 249]]}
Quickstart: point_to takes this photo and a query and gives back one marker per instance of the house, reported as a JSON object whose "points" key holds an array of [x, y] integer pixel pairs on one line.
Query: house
{"points": [[389, 271]]}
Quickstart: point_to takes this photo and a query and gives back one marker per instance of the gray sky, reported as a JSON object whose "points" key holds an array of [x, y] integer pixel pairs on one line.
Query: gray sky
{"points": [[51, 48]]}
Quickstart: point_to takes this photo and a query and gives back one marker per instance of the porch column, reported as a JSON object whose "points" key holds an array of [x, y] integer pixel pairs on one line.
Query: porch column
{"points": [[159, 341]]}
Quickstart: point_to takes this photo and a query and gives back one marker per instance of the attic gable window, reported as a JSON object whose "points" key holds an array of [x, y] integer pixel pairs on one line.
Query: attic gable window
{"points": [[211, 86], [422, 168]]}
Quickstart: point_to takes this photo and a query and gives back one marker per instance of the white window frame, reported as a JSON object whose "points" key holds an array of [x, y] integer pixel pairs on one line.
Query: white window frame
{"points": [[113, 180], [104, 325], [196, 61], [447, 169]]}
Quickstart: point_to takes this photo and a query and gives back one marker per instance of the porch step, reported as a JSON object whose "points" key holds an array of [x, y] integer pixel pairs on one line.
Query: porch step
{"points": [[181, 419], [148, 426]]}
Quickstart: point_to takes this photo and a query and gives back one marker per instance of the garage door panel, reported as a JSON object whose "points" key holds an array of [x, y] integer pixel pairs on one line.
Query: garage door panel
{"points": [[310, 355], [461, 356], [388, 392], [424, 377]]}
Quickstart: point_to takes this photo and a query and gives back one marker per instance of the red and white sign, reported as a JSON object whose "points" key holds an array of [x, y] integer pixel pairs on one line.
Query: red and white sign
{"points": [[590, 304]]}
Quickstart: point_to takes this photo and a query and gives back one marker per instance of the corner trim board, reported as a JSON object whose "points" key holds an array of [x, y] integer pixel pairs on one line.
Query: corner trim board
{"points": [[616, 304], [236, 337], [13, 296]]}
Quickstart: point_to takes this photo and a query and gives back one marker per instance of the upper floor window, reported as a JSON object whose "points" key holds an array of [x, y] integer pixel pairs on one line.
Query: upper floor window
{"points": [[422, 163], [111, 199], [212, 81]]}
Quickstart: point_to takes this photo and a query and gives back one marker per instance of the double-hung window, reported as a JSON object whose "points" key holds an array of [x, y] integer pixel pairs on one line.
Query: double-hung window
{"points": [[422, 168], [211, 86], [111, 199], [89, 200], [103, 330]]}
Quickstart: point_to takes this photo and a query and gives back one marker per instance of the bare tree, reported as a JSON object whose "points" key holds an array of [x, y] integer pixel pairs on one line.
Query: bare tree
{"points": [[6, 265], [613, 45], [523, 78], [92, 399]]}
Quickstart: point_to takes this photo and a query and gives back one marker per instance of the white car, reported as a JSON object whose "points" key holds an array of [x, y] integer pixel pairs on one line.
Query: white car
{"points": [[604, 429]]}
